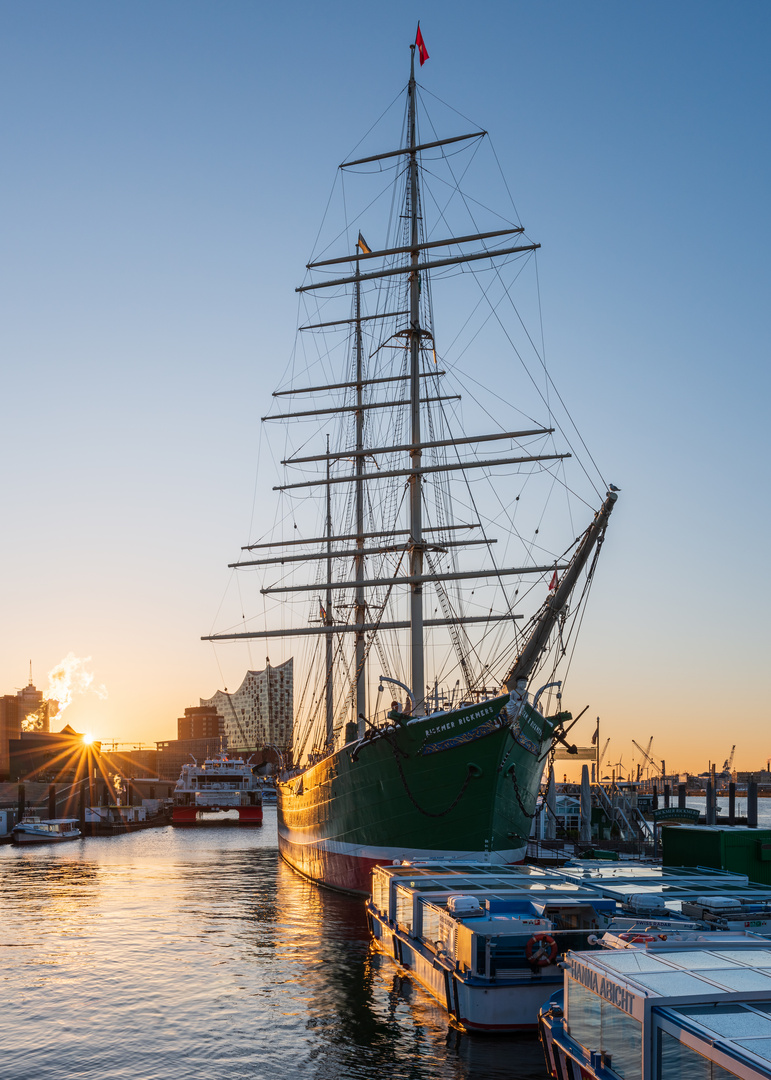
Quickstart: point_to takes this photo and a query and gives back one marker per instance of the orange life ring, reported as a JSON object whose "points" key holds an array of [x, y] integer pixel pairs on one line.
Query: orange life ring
{"points": [[637, 939], [541, 950]]}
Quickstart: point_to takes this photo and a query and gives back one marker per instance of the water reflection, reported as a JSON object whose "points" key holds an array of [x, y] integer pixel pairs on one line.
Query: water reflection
{"points": [[199, 951]]}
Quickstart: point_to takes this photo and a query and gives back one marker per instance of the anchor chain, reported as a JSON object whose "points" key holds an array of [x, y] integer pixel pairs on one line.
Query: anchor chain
{"points": [[519, 797], [411, 797]]}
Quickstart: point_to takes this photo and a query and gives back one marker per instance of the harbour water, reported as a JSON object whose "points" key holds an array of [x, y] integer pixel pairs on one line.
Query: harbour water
{"points": [[700, 803], [174, 953]]}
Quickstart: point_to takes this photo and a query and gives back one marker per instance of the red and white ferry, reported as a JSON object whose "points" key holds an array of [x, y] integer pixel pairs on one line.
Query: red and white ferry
{"points": [[207, 791]]}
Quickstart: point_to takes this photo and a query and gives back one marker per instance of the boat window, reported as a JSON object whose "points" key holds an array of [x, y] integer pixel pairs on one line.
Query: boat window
{"points": [[633, 960], [621, 1038], [431, 925], [380, 893], [694, 960], [740, 979], [679, 1062], [404, 909], [598, 1025], [732, 1020], [752, 957], [675, 983], [583, 1013], [583, 918], [760, 1047]]}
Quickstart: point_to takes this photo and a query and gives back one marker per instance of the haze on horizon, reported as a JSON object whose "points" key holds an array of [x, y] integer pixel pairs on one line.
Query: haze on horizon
{"points": [[166, 170]]}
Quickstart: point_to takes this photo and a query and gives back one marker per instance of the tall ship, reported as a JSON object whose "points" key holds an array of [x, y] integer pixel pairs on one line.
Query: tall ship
{"points": [[425, 563]]}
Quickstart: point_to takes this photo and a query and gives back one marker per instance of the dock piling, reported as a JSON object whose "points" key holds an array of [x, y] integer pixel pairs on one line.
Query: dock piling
{"points": [[681, 796], [752, 804], [732, 803]]}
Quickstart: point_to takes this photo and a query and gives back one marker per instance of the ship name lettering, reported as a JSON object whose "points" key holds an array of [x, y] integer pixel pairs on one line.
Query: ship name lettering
{"points": [[585, 976], [605, 988]]}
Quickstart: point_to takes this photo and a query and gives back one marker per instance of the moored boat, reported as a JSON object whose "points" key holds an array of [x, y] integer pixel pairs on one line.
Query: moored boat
{"points": [[212, 790], [484, 940], [715, 899], [36, 830], [679, 1009]]}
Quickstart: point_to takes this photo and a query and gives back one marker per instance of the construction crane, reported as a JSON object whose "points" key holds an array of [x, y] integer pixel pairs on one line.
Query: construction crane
{"points": [[648, 759], [729, 762], [604, 751]]}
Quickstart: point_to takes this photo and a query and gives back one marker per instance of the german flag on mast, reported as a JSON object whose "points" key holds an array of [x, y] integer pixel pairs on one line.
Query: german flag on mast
{"points": [[422, 50]]}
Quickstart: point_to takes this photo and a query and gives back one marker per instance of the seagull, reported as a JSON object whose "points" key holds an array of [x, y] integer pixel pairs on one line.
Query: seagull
{"points": [[614, 488]]}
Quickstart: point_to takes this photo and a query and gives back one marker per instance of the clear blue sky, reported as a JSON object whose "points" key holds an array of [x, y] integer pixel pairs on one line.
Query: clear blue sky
{"points": [[165, 168]]}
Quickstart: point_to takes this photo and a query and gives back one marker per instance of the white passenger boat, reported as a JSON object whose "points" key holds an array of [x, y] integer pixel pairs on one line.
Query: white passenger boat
{"points": [[484, 940], [35, 830], [674, 1009], [211, 790]]}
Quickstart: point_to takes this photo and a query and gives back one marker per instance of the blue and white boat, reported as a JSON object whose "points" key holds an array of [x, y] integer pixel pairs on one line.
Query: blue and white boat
{"points": [[693, 1007], [485, 940], [36, 830]]}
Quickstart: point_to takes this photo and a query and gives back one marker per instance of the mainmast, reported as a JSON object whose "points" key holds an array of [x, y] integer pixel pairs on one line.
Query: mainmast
{"points": [[417, 673], [360, 688]]}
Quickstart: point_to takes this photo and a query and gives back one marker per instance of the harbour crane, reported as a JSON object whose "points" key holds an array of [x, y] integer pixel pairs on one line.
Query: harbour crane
{"points": [[601, 758], [648, 759], [729, 762]]}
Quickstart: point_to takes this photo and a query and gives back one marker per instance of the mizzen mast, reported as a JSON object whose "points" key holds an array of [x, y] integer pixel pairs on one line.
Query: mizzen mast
{"points": [[329, 732]]}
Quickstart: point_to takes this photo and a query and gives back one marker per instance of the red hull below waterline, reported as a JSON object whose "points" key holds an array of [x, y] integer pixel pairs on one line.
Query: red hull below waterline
{"points": [[194, 815], [336, 870]]}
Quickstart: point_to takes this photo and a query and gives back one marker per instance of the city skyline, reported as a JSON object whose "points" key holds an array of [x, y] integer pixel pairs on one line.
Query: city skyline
{"points": [[168, 169]]}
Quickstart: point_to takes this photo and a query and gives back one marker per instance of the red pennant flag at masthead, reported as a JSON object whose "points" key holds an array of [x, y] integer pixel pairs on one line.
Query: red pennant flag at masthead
{"points": [[422, 50], [553, 582]]}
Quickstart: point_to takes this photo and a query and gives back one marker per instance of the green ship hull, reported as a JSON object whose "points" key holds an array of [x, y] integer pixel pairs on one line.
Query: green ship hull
{"points": [[461, 784]]}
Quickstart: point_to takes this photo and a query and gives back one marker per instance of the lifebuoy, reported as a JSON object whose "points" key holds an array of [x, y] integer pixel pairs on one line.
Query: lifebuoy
{"points": [[541, 950], [638, 939]]}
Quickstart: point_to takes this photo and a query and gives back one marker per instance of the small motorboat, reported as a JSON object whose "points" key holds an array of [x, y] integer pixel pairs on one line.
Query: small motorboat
{"points": [[35, 830]]}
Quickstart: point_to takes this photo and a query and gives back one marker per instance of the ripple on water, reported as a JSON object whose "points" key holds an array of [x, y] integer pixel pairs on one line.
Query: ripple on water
{"points": [[179, 953]]}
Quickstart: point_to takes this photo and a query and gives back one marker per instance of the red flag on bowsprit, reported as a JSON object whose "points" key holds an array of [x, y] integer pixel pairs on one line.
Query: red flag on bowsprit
{"points": [[422, 50], [553, 582]]}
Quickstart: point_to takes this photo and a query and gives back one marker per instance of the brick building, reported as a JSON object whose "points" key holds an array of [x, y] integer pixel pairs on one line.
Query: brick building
{"points": [[200, 722], [25, 710]]}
